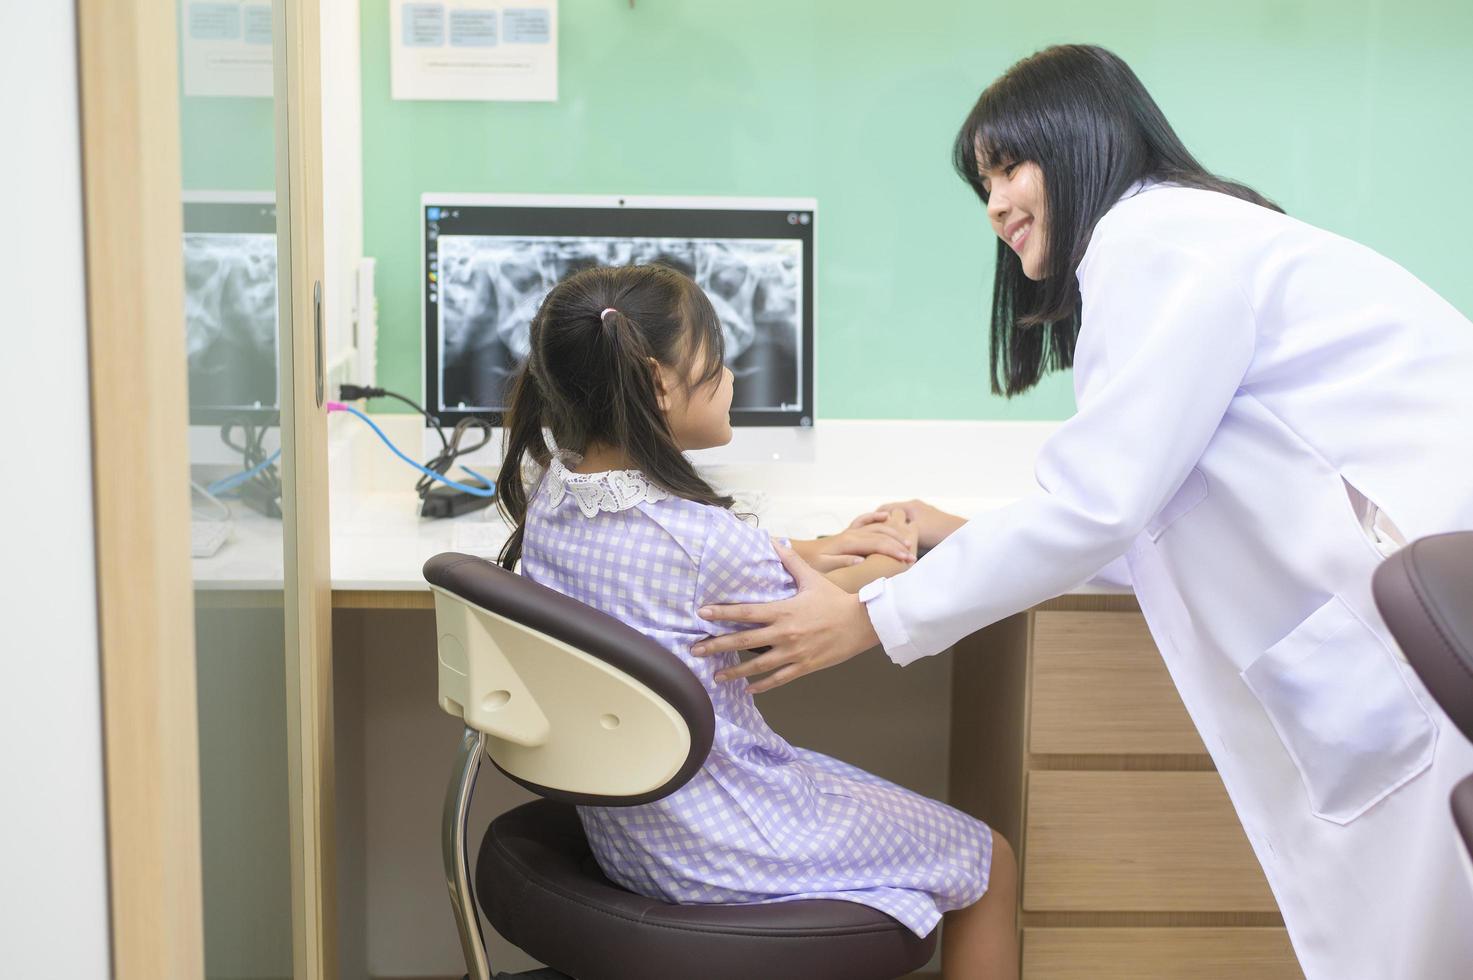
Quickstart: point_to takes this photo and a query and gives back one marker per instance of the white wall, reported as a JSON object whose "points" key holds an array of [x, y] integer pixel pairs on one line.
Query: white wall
{"points": [[342, 187], [53, 890]]}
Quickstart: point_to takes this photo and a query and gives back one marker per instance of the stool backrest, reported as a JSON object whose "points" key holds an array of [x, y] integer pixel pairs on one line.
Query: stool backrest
{"points": [[576, 706], [1425, 594]]}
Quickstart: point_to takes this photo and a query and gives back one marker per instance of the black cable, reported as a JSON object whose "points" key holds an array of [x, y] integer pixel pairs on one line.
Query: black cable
{"points": [[450, 450], [351, 393], [253, 453], [453, 451], [434, 422]]}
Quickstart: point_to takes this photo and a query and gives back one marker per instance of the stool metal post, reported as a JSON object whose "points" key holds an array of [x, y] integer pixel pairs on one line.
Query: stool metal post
{"points": [[453, 844]]}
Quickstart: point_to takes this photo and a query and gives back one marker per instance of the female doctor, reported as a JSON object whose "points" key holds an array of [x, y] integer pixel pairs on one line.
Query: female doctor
{"points": [[1264, 410]]}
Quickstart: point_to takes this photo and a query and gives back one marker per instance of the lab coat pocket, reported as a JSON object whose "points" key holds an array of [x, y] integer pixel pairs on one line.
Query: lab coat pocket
{"points": [[1192, 492], [1343, 709]]}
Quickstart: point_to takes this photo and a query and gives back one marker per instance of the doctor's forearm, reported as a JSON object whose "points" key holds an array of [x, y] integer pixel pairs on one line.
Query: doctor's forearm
{"points": [[998, 564], [947, 525]]}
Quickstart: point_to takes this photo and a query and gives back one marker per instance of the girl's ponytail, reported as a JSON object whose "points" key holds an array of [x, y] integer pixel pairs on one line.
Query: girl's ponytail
{"points": [[636, 422], [523, 423]]}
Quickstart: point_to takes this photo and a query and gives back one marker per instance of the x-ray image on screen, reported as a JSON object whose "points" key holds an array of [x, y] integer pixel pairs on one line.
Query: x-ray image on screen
{"points": [[230, 319], [490, 287]]}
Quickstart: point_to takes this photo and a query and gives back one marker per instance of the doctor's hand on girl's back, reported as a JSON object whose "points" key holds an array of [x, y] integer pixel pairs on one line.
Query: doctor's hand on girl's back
{"points": [[823, 625], [793, 654]]}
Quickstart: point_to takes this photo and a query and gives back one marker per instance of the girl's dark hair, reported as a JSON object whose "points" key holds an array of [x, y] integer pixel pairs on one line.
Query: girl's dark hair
{"points": [[588, 379], [1085, 119]]}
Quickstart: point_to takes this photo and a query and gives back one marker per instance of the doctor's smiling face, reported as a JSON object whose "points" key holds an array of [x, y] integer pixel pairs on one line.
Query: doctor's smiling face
{"points": [[1017, 207]]}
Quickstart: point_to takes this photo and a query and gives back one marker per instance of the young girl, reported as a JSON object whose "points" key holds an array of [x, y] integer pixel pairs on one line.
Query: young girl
{"points": [[626, 372]]}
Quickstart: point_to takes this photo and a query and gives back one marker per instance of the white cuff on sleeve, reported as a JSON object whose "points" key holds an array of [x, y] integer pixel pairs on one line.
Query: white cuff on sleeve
{"points": [[885, 618]]}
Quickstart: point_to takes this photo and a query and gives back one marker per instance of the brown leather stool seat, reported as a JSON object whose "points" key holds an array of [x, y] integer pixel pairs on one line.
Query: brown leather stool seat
{"points": [[1462, 801], [1425, 594], [542, 890]]}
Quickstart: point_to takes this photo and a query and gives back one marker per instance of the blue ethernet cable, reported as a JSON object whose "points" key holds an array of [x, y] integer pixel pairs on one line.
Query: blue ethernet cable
{"points": [[231, 482], [489, 490]]}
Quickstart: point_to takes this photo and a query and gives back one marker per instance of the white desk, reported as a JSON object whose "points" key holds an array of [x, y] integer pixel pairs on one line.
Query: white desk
{"points": [[379, 543]]}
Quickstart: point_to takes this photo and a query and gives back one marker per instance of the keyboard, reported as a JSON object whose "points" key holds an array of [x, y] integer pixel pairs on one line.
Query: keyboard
{"points": [[206, 537]]}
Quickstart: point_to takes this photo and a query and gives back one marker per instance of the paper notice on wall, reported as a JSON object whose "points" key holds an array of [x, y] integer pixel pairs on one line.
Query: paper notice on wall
{"points": [[227, 48], [475, 50]]}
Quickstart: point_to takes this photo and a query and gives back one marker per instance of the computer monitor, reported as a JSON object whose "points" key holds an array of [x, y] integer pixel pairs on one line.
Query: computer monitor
{"points": [[489, 260], [230, 306]]}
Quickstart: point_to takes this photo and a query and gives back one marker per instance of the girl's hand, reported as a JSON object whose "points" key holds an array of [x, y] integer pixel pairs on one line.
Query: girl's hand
{"points": [[819, 627], [933, 524]]}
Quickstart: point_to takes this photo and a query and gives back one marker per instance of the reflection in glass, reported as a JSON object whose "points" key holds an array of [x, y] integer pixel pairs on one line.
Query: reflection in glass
{"points": [[232, 330], [230, 304]]}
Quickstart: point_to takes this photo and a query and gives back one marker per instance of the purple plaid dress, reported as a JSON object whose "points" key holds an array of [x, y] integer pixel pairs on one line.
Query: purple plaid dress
{"points": [[762, 821]]}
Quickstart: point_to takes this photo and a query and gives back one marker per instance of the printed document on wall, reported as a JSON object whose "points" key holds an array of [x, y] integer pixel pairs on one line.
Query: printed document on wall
{"points": [[474, 50], [227, 48]]}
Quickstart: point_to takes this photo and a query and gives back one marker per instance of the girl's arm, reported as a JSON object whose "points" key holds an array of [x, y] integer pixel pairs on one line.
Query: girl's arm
{"points": [[856, 577]]}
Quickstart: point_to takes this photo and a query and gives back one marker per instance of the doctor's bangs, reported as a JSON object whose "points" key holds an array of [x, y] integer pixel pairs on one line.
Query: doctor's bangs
{"points": [[995, 134]]}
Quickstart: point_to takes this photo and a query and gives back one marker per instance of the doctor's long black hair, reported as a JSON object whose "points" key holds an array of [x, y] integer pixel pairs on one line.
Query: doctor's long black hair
{"points": [[1083, 116]]}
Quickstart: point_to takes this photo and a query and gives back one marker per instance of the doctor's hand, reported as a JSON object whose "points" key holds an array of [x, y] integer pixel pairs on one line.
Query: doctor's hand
{"points": [[819, 627], [932, 523], [893, 537]]}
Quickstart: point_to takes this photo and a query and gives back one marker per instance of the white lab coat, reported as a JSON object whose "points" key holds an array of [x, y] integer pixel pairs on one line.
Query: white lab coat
{"points": [[1249, 387]]}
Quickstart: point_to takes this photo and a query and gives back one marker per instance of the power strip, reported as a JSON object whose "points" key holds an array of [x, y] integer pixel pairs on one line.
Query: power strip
{"points": [[443, 501]]}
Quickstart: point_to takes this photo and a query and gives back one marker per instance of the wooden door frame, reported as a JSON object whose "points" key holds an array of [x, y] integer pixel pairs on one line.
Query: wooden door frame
{"points": [[135, 308]]}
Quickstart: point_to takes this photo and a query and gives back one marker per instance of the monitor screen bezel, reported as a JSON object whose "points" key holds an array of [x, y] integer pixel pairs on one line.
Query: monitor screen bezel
{"points": [[430, 371]]}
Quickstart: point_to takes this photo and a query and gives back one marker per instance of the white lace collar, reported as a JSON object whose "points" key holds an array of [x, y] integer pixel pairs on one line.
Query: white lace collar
{"points": [[609, 491]]}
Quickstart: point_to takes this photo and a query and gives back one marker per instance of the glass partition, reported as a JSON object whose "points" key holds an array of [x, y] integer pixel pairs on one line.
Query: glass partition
{"points": [[237, 322]]}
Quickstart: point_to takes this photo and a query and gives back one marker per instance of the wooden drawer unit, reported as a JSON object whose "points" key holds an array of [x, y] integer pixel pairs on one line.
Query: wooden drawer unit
{"points": [[1159, 954], [1137, 842], [1099, 687], [1068, 737]]}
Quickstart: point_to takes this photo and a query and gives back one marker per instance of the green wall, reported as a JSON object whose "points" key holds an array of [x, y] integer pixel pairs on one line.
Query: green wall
{"points": [[225, 144], [1355, 115]]}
